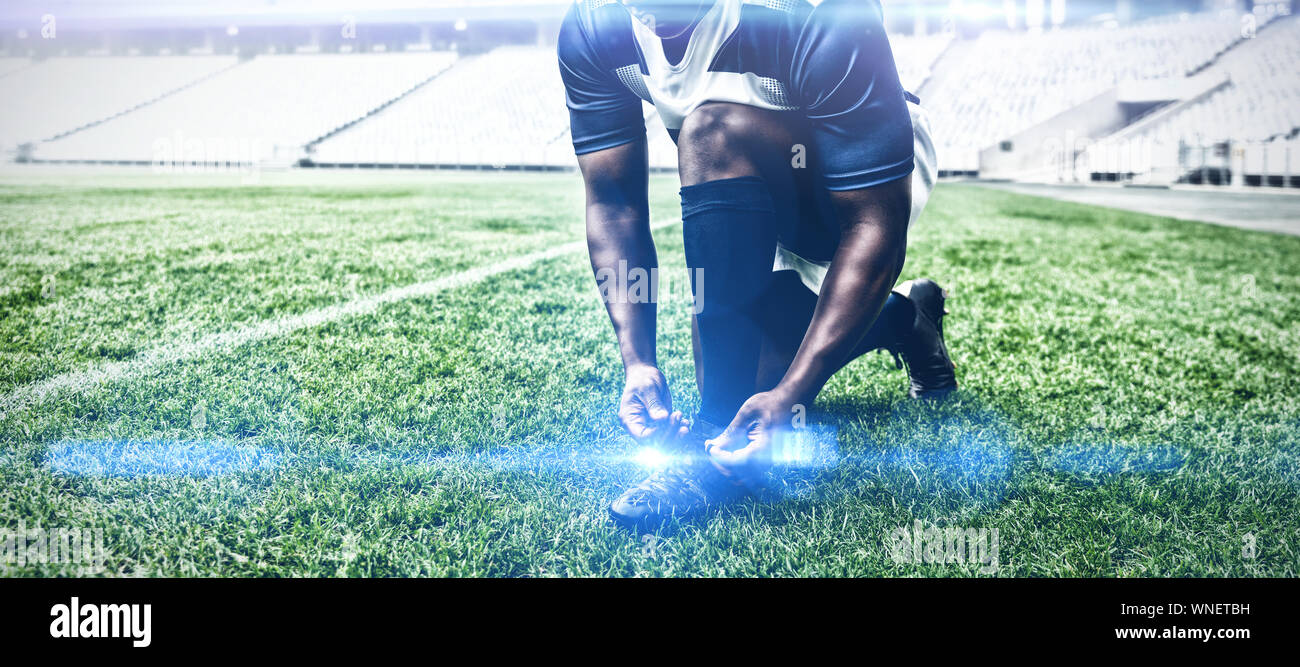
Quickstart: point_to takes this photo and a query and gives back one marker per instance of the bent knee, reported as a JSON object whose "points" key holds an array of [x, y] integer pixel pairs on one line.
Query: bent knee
{"points": [[724, 140]]}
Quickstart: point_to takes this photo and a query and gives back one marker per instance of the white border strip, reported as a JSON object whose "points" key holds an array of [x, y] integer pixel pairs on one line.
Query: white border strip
{"points": [[76, 382]]}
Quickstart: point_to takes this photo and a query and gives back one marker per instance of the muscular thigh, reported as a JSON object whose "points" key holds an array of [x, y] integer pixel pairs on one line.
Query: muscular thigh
{"points": [[723, 140]]}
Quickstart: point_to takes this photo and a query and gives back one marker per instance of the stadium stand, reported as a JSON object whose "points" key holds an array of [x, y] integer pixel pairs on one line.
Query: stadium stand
{"points": [[1259, 105], [663, 152], [456, 119], [521, 119], [10, 65], [1007, 82], [60, 95], [264, 109], [1263, 99], [915, 57], [505, 105]]}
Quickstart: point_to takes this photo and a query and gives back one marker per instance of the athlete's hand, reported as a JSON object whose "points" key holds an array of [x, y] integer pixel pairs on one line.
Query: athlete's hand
{"points": [[744, 449], [646, 408]]}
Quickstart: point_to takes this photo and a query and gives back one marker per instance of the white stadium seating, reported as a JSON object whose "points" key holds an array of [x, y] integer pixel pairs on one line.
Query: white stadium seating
{"points": [[1012, 81], [10, 65], [1260, 104], [62, 94], [505, 107], [520, 119], [262, 109], [1263, 98], [915, 57]]}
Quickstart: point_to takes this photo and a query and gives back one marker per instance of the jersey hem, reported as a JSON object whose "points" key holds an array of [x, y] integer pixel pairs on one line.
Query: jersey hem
{"points": [[603, 143], [869, 178]]}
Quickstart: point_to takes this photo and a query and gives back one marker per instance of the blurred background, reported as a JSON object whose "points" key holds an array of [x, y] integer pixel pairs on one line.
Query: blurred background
{"points": [[1056, 91]]}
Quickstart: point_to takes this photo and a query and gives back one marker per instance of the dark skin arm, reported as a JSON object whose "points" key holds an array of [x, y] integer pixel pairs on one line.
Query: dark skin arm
{"points": [[618, 231], [865, 268]]}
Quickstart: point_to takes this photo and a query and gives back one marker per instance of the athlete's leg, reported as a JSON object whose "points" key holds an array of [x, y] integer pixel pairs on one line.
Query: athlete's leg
{"points": [[739, 193], [735, 194], [789, 310], [790, 303]]}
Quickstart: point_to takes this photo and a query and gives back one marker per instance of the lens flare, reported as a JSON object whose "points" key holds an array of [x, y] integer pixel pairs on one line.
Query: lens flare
{"points": [[124, 458], [651, 458], [1098, 461]]}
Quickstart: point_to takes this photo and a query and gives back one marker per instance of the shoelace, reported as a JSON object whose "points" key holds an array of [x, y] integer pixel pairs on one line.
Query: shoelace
{"points": [[672, 481]]}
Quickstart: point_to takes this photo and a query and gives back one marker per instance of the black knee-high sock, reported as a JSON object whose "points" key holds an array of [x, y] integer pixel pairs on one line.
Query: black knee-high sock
{"points": [[788, 311], [891, 327], [730, 236]]}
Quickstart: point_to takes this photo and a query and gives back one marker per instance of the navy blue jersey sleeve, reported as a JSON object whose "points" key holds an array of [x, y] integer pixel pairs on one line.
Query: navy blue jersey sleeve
{"points": [[603, 113], [844, 77]]}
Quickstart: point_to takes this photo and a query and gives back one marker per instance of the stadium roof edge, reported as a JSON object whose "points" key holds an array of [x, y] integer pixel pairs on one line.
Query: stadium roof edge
{"points": [[112, 14]]}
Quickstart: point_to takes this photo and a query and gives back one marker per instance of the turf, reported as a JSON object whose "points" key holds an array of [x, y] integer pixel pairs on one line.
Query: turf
{"points": [[1128, 403]]}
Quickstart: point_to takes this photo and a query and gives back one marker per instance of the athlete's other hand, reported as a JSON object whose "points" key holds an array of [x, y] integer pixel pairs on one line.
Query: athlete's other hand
{"points": [[744, 449], [646, 407]]}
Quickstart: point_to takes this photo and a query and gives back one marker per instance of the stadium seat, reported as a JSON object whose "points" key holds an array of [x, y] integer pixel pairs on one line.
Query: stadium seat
{"points": [[1259, 105], [1011, 81], [263, 108], [58, 95], [455, 119]]}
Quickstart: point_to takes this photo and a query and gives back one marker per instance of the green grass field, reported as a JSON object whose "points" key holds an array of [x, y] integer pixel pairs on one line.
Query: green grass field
{"points": [[1129, 404]]}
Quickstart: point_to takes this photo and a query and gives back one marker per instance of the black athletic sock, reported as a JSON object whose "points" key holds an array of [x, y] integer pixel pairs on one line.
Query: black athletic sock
{"points": [[729, 228], [789, 307], [891, 328]]}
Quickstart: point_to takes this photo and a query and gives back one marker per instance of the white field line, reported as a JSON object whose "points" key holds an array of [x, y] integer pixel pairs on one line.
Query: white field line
{"points": [[76, 382]]}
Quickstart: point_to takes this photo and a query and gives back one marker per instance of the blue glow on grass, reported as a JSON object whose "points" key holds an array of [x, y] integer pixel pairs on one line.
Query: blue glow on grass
{"points": [[1096, 461], [814, 447], [799, 458], [155, 458], [971, 470], [971, 461]]}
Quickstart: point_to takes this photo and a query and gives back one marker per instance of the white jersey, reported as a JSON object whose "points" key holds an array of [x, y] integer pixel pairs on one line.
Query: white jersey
{"points": [[677, 90]]}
